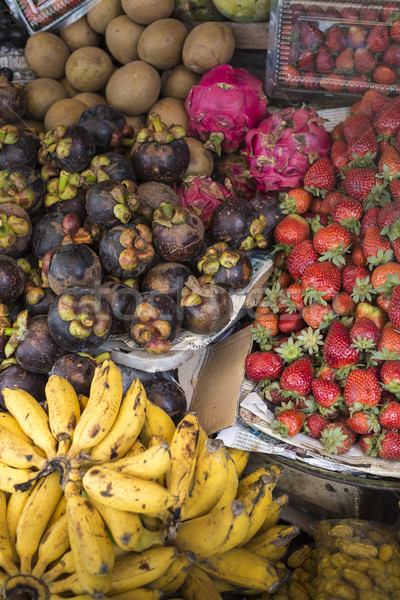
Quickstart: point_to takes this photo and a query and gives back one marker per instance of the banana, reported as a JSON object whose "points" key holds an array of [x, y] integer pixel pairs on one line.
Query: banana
{"points": [[241, 458], [126, 426], [156, 422], [25, 584], [139, 594], [231, 485], [90, 542], [18, 453], [257, 499], [199, 586], [150, 464], [209, 480], [137, 570], [274, 512], [148, 539], [243, 569], [273, 472], [59, 511], [6, 550], [54, 543], [172, 579], [273, 543], [184, 449], [63, 408], [64, 566], [15, 505], [80, 583], [124, 492], [7, 421], [34, 518], [125, 527], [32, 419], [136, 448], [214, 533], [83, 400], [11, 478], [101, 410]]}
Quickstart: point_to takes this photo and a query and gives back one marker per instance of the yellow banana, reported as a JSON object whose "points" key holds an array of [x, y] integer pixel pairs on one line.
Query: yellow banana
{"points": [[156, 422], [126, 426], [125, 527], [257, 499], [171, 580], [80, 583], [272, 543], [15, 505], [241, 458], [33, 587], [63, 408], [18, 453], [209, 480], [199, 586], [184, 449], [90, 542], [6, 550], [101, 410], [148, 539], [7, 421], [124, 492], [34, 518], [274, 512], [139, 594], [137, 570], [214, 533], [273, 472], [231, 485], [59, 511], [64, 566], [54, 543], [242, 568], [151, 464], [32, 419], [11, 478], [83, 400], [136, 448]]}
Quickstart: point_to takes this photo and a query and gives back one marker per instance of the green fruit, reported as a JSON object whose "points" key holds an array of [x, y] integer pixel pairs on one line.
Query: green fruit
{"points": [[244, 10], [196, 10]]}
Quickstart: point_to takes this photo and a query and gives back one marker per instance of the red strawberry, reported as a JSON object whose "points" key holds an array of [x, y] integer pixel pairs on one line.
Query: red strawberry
{"points": [[291, 229], [392, 56], [337, 133], [389, 445], [263, 365], [369, 13], [395, 189], [314, 314], [378, 39], [395, 32], [350, 14], [388, 214], [335, 39], [358, 84], [364, 145], [350, 275], [345, 60], [363, 421], [376, 314], [334, 82], [384, 75], [367, 442], [343, 304], [376, 248], [389, 162], [297, 377], [354, 127], [365, 334], [388, 9], [370, 218], [310, 36], [310, 80], [326, 393], [387, 120], [356, 36], [289, 53], [357, 257], [320, 177], [324, 280], [394, 308], [372, 101], [315, 424], [336, 439], [359, 182], [294, 293], [331, 241], [339, 155], [361, 388], [297, 201], [305, 62], [289, 422], [389, 415], [289, 322], [302, 255], [290, 76], [337, 350], [346, 209], [364, 61], [329, 203], [276, 397], [324, 61], [390, 375]]}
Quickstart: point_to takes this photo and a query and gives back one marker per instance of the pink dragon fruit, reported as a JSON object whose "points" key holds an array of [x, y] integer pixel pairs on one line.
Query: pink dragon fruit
{"points": [[231, 170], [223, 106], [202, 194], [281, 149]]}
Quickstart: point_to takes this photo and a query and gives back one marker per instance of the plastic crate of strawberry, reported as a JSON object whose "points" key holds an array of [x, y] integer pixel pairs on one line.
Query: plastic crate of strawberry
{"points": [[326, 353], [332, 49]]}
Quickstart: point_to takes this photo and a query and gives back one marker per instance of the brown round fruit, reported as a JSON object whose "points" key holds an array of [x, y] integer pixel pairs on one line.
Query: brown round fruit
{"points": [[133, 88], [88, 69], [177, 82], [46, 55], [40, 94], [208, 45], [145, 12], [64, 112], [79, 34], [172, 111], [161, 43], [102, 14], [122, 37]]}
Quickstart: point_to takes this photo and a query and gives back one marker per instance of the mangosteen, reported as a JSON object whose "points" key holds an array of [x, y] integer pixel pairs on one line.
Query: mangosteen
{"points": [[5, 323], [110, 165], [155, 322], [268, 204], [231, 169], [107, 125], [110, 203], [177, 232], [37, 300], [236, 222], [72, 265], [122, 300], [16, 377], [207, 307], [15, 229], [78, 369], [12, 101], [168, 395], [160, 153], [152, 193], [65, 196], [12, 279], [52, 230], [229, 267], [166, 278], [24, 187], [69, 147], [18, 149], [80, 319], [126, 250]]}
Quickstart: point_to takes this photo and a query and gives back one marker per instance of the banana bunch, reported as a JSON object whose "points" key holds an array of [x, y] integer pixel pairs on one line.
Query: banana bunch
{"points": [[105, 497]]}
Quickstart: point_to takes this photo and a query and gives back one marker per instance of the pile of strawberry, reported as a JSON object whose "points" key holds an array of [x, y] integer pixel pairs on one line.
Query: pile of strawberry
{"points": [[326, 351]]}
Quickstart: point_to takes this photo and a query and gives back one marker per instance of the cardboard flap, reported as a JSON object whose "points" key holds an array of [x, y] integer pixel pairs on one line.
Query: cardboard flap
{"points": [[216, 396]]}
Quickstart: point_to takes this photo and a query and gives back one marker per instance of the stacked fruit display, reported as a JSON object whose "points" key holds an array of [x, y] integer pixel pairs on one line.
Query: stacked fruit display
{"points": [[328, 328], [105, 495]]}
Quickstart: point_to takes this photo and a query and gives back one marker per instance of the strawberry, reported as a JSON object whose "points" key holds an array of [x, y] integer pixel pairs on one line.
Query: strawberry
{"points": [[324, 280], [367, 442], [263, 365], [395, 189], [389, 445], [395, 32], [334, 82], [297, 377], [376, 314], [378, 39], [372, 101], [364, 334], [364, 61], [388, 9], [331, 242], [289, 53], [389, 162], [310, 80], [336, 439], [289, 422], [289, 322], [392, 56], [348, 212], [350, 14], [315, 11], [335, 39], [285, 280], [357, 257], [337, 350], [354, 127], [364, 146], [310, 36], [302, 255], [355, 108], [339, 155], [385, 275], [344, 62], [361, 389], [326, 393], [383, 302], [329, 203], [356, 36], [394, 308], [384, 75], [376, 248], [291, 229], [294, 294], [350, 275], [370, 218], [314, 314], [390, 376], [324, 61], [386, 121], [389, 415], [363, 421], [358, 84], [276, 397], [343, 304], [360, 181], [337, 134], [265, 327], [290, 76], [315, 424], [320, 177], [388, 214], [296, 201], [368, 13], [305, 62]]}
